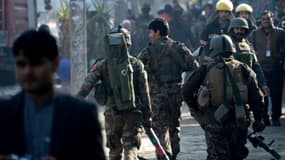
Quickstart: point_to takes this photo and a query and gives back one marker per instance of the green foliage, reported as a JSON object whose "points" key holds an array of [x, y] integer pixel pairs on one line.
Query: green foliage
{"points": [[98, 25], [63, 22]]}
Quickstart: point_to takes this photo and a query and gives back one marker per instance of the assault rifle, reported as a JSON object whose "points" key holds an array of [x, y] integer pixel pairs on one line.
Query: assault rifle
{"points": [[155, 141], [257, 141]]}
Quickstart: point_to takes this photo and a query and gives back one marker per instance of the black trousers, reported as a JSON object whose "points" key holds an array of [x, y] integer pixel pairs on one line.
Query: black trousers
{"points": [[275, 83]]}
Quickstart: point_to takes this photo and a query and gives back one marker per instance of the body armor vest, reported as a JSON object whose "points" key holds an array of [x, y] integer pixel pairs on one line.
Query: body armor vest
{"points": [[244, 53]]}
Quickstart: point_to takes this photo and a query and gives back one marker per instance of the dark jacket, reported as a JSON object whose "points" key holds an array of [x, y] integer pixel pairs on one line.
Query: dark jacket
{"points": [[76, 132], [277, 38]]}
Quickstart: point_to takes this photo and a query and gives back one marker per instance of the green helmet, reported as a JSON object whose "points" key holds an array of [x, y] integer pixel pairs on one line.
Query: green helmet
{"points": [[238, 22], [221, 45]]}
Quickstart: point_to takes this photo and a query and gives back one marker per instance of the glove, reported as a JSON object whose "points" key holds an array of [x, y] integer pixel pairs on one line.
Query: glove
{"points": [[147, 122], [258, 126]]}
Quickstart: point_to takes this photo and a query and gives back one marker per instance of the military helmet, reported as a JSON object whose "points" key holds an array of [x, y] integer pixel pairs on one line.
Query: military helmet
{"points": [[224, 5], [238, 22], [243, 7], [221, 45]]}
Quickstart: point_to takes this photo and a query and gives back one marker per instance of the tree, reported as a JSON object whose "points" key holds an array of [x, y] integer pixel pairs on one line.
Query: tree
{"points": [[98, 25], [63, 20]]}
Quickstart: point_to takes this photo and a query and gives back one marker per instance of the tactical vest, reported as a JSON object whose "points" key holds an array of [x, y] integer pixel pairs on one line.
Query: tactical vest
{"points": [[244, 53], [120, 71], [166, 63], [215, 80]]}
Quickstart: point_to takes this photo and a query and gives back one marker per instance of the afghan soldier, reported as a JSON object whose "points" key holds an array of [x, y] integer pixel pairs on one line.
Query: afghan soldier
{"points": [[165, 60], [125, 84], [245, 11], [238, 31], [218, 94]]}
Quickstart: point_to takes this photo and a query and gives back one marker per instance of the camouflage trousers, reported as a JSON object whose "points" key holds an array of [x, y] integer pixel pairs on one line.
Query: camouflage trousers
{"points": [[124, 132], [224, 141], [166, 111]]}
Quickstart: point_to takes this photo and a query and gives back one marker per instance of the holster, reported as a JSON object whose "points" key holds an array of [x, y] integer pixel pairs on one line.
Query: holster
{"points": [[240, 115]]}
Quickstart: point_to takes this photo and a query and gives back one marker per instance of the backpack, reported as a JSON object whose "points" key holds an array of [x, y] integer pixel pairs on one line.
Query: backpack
{"points": [[219, 86], [120, 71]]}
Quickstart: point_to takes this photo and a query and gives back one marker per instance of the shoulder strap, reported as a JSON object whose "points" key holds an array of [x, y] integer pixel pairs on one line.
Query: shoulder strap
{"points": [[234, 85]]}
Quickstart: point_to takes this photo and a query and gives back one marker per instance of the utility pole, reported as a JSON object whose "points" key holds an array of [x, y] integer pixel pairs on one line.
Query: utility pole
{"points": [[32, 12], [78, 44]]}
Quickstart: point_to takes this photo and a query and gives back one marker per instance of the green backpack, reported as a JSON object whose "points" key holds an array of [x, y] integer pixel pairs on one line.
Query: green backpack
{"points": [[120, 71]]}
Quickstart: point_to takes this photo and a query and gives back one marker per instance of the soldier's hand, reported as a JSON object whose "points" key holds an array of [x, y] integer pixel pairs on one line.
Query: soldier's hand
{"points": [[258, 126], [148, 122], [266, 90]]}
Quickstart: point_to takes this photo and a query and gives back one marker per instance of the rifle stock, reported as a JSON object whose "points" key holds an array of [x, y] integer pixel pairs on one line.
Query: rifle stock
{"points": [[155, 141], [257, 141]]}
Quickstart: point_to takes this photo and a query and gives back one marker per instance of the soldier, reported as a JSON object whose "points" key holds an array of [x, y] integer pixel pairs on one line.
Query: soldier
{"points": [[245, 11], [218, 26], [217, 94], [165, 60], [128, 102], [238, 31]]}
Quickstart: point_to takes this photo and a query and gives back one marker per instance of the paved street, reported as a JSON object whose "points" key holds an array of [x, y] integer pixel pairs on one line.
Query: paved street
{"points": [[193, 142]]}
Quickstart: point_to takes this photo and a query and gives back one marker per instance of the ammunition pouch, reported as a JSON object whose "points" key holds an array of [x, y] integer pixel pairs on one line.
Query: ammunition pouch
{"points": [[222, 113], [203, 97]]}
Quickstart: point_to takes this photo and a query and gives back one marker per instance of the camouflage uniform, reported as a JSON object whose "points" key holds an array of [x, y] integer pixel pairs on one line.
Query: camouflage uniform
{"points": [[165, 60], [245, 51], [225, 140], [123, 128]]}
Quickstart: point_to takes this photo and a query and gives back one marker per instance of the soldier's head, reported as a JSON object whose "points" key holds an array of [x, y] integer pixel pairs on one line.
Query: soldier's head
{"points": [[44, 27], [145, 9], [224, 9], [238, 28], [244, 10], [127, 24], [158, 28], [267, 19], [221, 46], [208, 9]]}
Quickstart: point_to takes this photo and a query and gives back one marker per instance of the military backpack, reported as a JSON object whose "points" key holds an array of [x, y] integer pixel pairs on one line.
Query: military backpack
{"points": [[120, 71], [216, 88]]}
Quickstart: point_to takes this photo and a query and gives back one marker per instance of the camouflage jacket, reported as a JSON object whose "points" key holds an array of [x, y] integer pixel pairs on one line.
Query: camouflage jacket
{"points": [[165, 60], [100, 72]]}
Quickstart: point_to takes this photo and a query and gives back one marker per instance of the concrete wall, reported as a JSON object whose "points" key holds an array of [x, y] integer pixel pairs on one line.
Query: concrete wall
{"points": [[17, 18]]}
